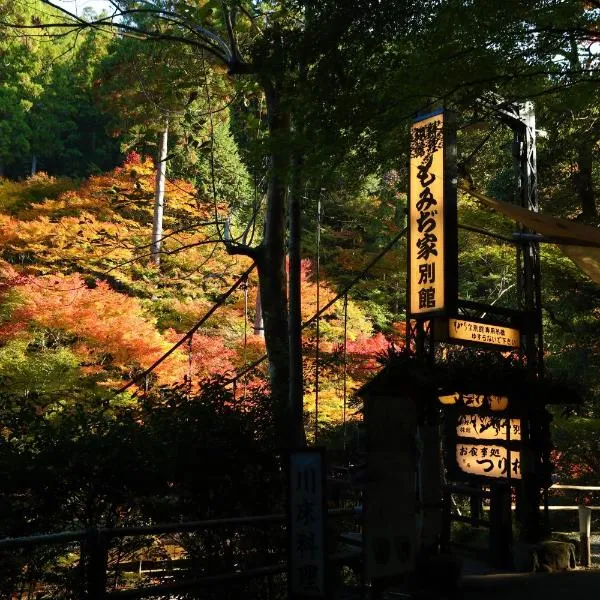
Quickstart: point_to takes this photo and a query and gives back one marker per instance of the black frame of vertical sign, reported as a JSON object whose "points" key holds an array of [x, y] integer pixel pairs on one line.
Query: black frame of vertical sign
{"points": [[450, 218], [320, 451], [451, 212]]}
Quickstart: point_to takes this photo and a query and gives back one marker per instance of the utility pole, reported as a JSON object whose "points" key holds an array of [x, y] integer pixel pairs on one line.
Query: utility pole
{"points": [[317, 348], [297, 437]]}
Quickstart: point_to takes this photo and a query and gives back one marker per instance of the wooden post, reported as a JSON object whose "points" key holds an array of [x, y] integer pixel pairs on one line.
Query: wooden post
{"points": [[500, 526], [585, 524], [431, 494], [97, 546], [475, 506], [446, 520]]}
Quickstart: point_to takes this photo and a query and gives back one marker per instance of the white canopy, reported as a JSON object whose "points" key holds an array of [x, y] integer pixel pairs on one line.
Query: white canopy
{"points": [[581, 243]]}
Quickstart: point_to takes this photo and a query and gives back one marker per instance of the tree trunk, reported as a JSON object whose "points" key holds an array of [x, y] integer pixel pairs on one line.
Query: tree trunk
{"points": [[583, 179], [259, 328], [33, 165], [270, 258], [273, 297], [159, 194]]}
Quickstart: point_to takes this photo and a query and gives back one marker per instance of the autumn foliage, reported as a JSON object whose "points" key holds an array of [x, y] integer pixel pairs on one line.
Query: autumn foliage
{"points": [[77, 277]]}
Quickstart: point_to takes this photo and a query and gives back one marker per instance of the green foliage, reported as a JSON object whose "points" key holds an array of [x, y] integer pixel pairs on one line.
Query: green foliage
{"points": [[145, 85], [32, 367], [218, 160], [487, 271], [577, 440], [48, 114], [173, 457], [16, 196], [349, 241]]}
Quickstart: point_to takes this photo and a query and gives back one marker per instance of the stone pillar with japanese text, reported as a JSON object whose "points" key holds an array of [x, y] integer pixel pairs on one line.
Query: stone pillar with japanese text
{"points": [[390, 522], [307, 514]]}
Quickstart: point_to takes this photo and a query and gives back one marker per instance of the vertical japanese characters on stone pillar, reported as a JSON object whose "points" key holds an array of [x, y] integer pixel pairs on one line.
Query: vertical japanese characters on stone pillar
{"points": [[306, 568], [426, 215]]}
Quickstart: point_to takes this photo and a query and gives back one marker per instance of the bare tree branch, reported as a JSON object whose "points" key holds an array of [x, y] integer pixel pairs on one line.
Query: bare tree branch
{"points": [[208, 41], [235, 53]]}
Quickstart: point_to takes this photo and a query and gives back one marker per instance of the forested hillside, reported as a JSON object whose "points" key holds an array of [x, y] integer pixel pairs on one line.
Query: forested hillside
{"points": [[85, 308], [151, 154], [134, 183]]}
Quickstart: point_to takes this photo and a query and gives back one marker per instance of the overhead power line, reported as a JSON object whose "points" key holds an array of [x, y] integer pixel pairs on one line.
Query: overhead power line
{"points": [[191, 332], [340, 294], [234, 287]]}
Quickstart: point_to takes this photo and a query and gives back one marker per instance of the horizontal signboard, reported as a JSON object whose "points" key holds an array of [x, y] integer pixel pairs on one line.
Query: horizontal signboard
{"points": [[489, 402], [483, 333], [479, 427], [488, 460]]}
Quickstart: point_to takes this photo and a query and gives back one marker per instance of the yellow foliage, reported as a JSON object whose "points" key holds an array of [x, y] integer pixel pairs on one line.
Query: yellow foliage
{"points": [[14, 195], [104, 228]]}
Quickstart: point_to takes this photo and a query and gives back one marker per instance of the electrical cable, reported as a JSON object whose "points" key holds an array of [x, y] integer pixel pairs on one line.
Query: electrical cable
{"points": [[345, 356], [190, 360], [317, 347], [242, 278], [344, 291]]}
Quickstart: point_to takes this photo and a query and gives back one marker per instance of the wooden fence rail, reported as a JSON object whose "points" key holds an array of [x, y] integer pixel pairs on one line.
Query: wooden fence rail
{"points": [[585, 519], [95, 544], [476, 495]]}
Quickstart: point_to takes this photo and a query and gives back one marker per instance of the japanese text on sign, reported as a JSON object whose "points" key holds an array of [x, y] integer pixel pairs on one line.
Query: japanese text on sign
{"points": [[307, 543], [496, 335], [488, 427], [426, 210], [488, 460], [490, 402]]}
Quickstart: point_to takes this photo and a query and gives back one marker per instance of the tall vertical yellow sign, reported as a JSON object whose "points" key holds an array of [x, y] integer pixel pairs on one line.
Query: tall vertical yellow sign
{"points": [[426, 216]]}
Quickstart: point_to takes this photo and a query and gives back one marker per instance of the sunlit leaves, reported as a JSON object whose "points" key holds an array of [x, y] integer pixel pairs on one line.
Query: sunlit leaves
{"points": [[43, 370], [84, 253]]}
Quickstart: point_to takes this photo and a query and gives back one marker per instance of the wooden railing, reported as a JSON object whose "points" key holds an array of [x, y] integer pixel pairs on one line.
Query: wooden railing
{"points": [[497, 521], [499, 529], [94, 547], [585, 518]]}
